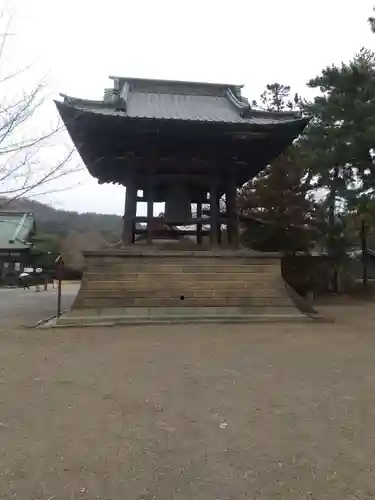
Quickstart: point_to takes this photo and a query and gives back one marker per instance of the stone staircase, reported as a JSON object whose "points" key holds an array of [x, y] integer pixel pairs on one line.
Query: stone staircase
{"points": [[143, 285]]}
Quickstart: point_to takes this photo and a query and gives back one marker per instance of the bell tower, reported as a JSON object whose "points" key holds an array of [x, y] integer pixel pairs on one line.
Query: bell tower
{"points": [[190, 146]]}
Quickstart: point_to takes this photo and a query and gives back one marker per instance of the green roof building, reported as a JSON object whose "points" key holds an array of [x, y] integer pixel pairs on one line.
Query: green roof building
{"points": [[16, 232]]}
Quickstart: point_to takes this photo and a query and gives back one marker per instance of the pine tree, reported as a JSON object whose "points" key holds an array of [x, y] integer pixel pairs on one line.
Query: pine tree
{"points": [[371, 20], [341, 137], [277, 202], [338, 145], [280, 203], [276, 97]]}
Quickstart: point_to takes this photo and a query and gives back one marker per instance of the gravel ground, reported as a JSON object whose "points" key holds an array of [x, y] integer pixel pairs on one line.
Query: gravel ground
{"points": [[190, 412], [20, 307]]}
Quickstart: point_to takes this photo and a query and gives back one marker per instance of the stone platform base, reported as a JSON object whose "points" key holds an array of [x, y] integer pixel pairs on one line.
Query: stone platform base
{"points": [[149, 285]]}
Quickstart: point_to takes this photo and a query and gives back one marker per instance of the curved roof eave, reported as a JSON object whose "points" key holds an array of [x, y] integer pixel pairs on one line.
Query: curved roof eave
{"points": [[71, 99], [243, 123]]}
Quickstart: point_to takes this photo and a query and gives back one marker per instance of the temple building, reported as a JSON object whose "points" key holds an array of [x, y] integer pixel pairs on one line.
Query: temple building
{"points": [[190, 145], [16, 233]]}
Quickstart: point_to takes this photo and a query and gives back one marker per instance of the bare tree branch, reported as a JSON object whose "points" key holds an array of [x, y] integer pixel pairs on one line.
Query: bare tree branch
{"points": [[23, 166]]}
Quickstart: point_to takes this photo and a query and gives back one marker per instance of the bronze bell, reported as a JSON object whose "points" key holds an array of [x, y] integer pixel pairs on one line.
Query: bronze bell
{"points": [[177, 203]]}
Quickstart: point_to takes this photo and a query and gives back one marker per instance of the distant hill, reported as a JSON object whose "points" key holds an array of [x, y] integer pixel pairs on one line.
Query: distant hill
{"points": [[59, 223]]}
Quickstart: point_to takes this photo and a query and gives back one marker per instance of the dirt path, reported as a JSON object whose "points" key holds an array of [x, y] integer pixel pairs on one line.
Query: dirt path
{"points": [[190, 412]]}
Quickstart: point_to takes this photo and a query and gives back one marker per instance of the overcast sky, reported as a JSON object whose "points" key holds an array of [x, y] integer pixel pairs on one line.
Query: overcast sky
{"points": [[252, 42]]}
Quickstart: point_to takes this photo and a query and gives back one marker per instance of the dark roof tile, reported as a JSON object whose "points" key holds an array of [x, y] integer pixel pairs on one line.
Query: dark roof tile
{"points": [[170, 100]]}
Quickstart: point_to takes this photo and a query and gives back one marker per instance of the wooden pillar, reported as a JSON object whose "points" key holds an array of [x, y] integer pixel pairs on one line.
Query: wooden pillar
{"points": [[232, 213], [214, 214], [218, 215], [227, 213], [150, 206], [199, 225], [130, 210]]}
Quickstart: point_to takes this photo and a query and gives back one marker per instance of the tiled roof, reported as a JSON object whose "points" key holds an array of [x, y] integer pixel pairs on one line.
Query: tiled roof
{"points": [[137, 98], [15, 230], [191, 107]]}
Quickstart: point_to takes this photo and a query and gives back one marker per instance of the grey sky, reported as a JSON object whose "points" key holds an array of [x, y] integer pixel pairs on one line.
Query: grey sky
{"points": [[252, 42]]}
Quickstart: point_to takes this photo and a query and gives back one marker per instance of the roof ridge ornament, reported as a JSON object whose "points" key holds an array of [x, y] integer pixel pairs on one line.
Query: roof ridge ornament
{"points": [[124, 96], [117, 97], [110, 95], [240, 103]]}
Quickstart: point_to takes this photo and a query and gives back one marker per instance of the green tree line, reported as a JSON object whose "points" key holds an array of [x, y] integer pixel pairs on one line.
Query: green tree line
{"points": [[318, 192]]}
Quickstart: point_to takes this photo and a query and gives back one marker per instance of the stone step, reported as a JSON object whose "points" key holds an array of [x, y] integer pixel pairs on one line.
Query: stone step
{"points": [[185, 296], [178, 310], [144, 315], [99, 301], [185, 260], [190, 282], [180, 277], [168, 268], [107, 321], [188, 289]]}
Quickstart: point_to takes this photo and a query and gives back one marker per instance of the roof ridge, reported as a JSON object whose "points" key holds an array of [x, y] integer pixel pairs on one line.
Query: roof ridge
{"points": [[160, 80], [16, 212]]}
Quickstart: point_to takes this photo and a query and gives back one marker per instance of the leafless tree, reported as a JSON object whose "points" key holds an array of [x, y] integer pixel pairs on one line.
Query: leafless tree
{"points": [[72, 248], [27, 166], [77, 242]]}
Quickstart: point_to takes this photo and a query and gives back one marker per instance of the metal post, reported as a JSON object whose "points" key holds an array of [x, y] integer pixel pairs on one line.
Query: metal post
{"points": [[59, 298], [60, 268]]}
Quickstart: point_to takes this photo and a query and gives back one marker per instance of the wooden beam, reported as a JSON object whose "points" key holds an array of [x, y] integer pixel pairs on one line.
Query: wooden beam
{"points": [[187, 232], [187, 222], [164, 177]]}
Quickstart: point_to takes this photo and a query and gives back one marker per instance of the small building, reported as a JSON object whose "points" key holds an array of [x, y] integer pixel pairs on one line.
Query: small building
{"points": [[16, 233]]}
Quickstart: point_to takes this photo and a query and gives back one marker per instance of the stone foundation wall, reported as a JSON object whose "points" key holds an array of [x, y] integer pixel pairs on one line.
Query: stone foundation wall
{"points": [[148, 278]]}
